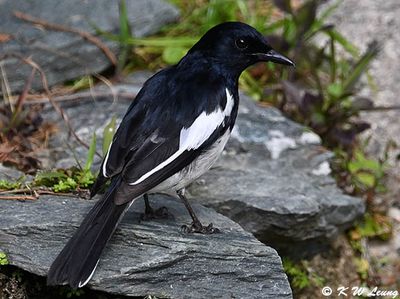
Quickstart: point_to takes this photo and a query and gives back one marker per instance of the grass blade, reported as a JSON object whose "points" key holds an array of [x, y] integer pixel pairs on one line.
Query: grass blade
{"points": [[108, 134], [347, 45], [360, 67], [90, 155]]}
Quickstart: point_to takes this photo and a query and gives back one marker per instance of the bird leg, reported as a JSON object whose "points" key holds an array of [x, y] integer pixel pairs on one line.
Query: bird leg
{"points": [[150, 213], [196, 226]]}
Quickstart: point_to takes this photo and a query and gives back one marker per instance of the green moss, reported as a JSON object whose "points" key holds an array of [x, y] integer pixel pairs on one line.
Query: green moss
{"points": [[3, 259], [300, 276], [7, 185]]}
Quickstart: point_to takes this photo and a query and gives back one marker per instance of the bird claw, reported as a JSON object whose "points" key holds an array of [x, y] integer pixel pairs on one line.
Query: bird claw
{"points": [[200, 229]]}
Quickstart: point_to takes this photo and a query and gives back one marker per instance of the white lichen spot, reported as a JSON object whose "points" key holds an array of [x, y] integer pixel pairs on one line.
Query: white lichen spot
{"points": [[277, 118], [322, 169], [309, 138], [278, 143]]}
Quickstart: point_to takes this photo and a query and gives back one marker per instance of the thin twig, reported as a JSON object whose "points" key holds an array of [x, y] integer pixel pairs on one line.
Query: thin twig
{"points": [[24, 93], [18, 197], [43, 78], [36, 192], [109, 85], [57, 27], [48, 192], [6, 86], [380, 108], [115, 91], [21, 99], [85, 95], [16, 191]]}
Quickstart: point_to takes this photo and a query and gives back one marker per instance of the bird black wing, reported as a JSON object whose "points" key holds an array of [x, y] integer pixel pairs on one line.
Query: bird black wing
{"points": [[164, 130]]}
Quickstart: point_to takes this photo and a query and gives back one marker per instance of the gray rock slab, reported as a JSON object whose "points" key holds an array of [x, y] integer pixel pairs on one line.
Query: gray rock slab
{"points": [[65, 56], [148, 258], [10, 174], [273, 177]]}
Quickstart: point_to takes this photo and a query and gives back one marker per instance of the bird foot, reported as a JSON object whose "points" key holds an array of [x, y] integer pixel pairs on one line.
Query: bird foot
{"points": [[151, 214], [200, 229]]}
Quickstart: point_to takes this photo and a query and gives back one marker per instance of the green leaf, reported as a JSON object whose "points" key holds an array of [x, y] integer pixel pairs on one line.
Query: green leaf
{"points": [[332, 60], [149, 41], [362, 162], [124, 27], [290, 30], [91, 153], [86, 179], [346, 44], [124, 35], [67, 185], [6, 185], [49, 178], [367, 179], [108, 134], [172, 55], [298, 275], [81, 83], [335, 90], [3, 259], [362, 267], [354, 166], [360, 67]]}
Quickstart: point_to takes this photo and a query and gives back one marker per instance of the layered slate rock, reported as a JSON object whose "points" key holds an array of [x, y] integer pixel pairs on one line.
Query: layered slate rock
{"points": [[63, 55], [148, 258], [273, 178]]}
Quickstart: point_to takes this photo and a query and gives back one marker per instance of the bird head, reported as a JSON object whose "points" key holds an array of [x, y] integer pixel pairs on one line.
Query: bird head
{"points": [[235, 45]]}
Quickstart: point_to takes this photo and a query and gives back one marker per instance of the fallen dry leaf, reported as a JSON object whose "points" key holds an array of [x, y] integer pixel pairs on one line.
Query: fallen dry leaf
{"points": [[4, 37]]}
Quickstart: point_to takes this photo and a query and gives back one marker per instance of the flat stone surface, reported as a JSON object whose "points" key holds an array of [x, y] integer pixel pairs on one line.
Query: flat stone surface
{"points": [[10, 174], [273, 178], [65, 56], [148, 258]]}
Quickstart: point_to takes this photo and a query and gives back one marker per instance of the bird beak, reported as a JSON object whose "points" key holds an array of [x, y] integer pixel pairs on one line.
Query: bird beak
{"points": [[274, 56]]}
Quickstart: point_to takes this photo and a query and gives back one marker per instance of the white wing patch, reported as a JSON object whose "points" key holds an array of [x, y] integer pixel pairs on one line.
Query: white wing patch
{"points": [[194, 136], [81, 284], [204, 125], [105, 161]]}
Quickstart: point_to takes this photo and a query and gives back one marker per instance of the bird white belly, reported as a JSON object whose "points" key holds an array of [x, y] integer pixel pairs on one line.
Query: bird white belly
{"points": [[194, 170]]}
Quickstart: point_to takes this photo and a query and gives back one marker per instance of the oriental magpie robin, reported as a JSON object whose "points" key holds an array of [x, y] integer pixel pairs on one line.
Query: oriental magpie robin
{"points": [[172, 133]]}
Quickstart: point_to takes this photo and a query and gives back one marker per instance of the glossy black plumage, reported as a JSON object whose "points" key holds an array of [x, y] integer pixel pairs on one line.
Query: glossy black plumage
{"points": [[178, 117], [163, 109], [79, 256]]}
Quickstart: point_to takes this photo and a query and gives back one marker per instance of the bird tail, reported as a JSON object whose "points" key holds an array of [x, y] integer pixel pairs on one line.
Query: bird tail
{"points": [[77, 262]]}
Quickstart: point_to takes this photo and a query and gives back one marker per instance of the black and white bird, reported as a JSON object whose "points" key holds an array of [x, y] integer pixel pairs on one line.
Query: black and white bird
{"points": [[172, 133]]}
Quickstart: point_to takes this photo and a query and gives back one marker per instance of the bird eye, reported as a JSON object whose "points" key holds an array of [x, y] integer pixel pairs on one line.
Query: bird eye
{"points": [[241, 44]]}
